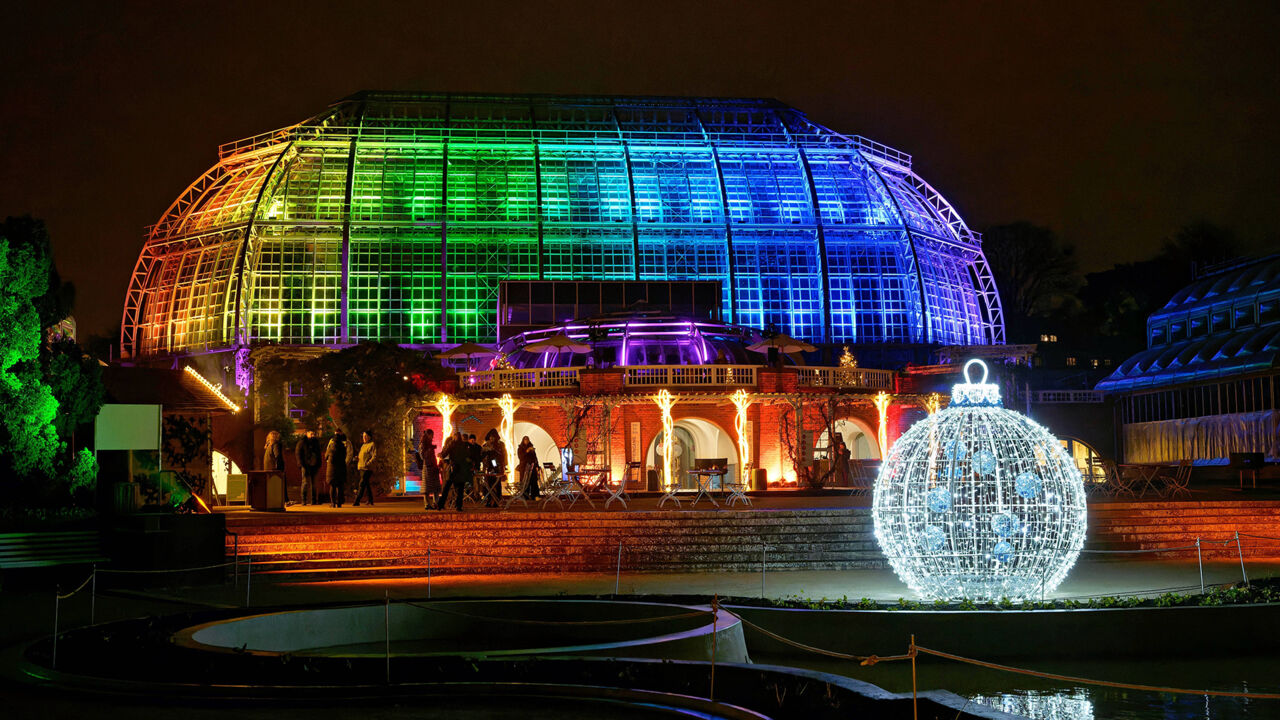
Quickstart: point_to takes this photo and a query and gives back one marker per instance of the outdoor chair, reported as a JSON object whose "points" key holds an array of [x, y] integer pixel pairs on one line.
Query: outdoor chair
{"points": [[1178, 483], [861, 480]]}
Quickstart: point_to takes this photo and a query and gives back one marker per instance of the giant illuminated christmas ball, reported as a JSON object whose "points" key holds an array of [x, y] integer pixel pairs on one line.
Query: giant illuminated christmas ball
{"points": [[979, 502]]}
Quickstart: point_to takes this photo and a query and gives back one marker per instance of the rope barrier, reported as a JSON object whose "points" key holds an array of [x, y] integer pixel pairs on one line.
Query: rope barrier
{"points": [[523, 621], [1129, 552], [170, 570], [1090, 681], [73, 592], [864, 659]]}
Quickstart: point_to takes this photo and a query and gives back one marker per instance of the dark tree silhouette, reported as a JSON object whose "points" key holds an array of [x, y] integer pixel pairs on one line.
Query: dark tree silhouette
{"points": [[1034, 271]]}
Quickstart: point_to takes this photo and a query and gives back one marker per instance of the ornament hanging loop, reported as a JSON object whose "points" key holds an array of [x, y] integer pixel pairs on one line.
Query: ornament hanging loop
{"points": [[985, 372]]}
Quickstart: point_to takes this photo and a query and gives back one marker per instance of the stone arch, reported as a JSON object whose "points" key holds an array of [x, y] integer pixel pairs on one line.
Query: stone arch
{"points": [[709, 438]]}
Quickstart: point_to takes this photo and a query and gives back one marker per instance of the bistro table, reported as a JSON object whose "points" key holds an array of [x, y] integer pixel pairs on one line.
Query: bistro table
{"points": [[489, 488], [572, 488], [704, 476], [1145, 477]]}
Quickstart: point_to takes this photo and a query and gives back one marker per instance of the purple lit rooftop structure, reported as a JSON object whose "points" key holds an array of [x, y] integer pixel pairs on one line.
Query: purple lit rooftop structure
{"points": [[640, 337]]}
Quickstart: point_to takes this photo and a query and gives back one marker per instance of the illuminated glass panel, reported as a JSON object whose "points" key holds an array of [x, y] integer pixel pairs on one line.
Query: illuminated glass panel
{"points": [[584, 186], [953, 313], [916, 211], [685, 254], [847, 192], [488, 184], [314, 187], [394, 285], [297, 284], [779, 282], [873, 287], [478, 259], [766, 188], [397, 184], [588, 253], [676, 187]]}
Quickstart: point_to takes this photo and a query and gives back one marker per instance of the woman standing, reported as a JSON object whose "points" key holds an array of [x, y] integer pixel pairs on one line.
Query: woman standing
{"points": [[528, 469], [430, 468], [493, 461], [335, 458], [364, 463], [273, 453]]}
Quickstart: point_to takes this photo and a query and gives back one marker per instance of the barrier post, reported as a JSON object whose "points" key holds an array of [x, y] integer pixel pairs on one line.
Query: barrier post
{"points": [[93, 592], [236, 560], [386, 629], [428, 573], [1200, 562], [248, 579], [715, 614], [762, 550], [915, 711], [1240, 550], [57, 599], [617, 575]]}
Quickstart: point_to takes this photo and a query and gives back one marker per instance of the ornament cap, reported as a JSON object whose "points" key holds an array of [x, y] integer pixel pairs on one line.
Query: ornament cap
{"points": [[980, 393]]}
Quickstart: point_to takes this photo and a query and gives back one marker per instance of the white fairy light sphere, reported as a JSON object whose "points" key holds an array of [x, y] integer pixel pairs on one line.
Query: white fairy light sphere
{"points": [[979, 502]]}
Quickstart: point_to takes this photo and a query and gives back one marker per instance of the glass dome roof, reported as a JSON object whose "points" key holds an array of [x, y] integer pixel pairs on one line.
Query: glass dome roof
{"points": [[394, 216]]}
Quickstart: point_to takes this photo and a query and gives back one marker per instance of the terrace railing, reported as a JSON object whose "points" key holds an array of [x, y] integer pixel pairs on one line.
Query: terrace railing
{"points": [[1066, 396], [533, 379], [689, 375], [842, 377]]}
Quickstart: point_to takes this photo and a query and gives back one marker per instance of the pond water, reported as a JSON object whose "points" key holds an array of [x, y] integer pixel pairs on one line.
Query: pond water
{"points": [[1050, 700]]}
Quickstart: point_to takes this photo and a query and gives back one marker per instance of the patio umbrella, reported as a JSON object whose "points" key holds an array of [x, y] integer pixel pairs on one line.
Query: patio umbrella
{"points": [[466, 351], [557, 343], [781, 343]]}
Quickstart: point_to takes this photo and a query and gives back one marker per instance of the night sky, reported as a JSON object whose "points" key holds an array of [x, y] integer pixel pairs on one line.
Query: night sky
{"points": [[1112, 123]]}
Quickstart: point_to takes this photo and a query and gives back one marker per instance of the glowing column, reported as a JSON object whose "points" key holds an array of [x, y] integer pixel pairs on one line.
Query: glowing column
{"points": [[933, 402], [665, 401], [882, 400], [508, 431], [445, 406], [742, 400]]}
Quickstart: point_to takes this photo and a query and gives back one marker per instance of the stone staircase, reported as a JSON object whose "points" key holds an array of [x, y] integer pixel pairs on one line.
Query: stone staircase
{"points": [[1163, 524], [331, 546]]}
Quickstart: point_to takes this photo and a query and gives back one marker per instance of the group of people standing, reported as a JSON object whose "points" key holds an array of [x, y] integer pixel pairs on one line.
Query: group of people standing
{"points": [[337, 457], [462, 462]]}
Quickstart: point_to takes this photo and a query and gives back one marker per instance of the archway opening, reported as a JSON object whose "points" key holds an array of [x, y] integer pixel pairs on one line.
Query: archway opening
{"points": [[1087, 459], [859, 437], [543, 444], [694, 439]]}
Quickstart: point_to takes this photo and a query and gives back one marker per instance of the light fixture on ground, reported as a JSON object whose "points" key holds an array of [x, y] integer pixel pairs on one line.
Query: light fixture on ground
{"points": [[977, 501]]}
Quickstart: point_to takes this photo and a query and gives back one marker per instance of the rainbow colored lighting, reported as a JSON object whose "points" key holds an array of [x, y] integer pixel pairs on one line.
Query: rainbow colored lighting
{"points": [[394, 217]]}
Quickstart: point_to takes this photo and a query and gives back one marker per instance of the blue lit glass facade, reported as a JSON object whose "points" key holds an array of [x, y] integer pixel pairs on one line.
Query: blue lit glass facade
{"points": [[394, 216]]}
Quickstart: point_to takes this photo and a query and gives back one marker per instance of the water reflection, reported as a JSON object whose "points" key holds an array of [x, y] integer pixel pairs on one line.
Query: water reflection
{"points": [[1066, 705], [1042, 699]]}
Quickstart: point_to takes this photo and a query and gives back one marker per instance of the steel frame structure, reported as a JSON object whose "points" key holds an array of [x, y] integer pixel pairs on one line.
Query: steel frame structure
{"points": [[393, 216]]}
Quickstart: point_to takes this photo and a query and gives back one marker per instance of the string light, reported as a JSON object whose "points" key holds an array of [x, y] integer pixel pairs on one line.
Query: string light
{"points": [[742, 400], [882, 400], [665, 401], [979, 502], [508, 429], [217, 392], [445, 406]]}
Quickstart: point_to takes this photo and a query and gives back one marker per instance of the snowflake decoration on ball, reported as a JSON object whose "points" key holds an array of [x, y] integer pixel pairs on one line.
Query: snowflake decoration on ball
{"points": [[977, 501]]}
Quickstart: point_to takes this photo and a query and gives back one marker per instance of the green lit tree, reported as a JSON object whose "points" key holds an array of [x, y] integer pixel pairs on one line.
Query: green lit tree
{"points": [[35, 467]]}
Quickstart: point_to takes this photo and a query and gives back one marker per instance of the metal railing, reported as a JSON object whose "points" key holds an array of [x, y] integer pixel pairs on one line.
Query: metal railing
{"points": [[518, 379], [552, 136], [841, 377], [687, 375], [1050, 397]]}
